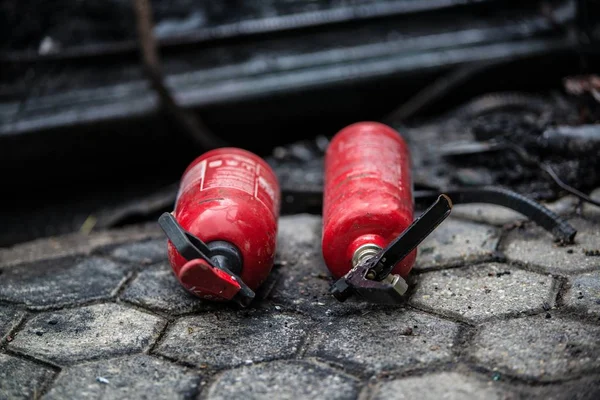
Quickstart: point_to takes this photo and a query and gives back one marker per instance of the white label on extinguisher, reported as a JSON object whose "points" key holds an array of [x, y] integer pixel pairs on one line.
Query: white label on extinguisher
{"points": [[231, 171], [194, 176]]}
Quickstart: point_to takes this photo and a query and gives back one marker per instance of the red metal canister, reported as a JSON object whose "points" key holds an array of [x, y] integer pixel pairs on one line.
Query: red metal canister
{"points": [[229, 199], [368, 200]]}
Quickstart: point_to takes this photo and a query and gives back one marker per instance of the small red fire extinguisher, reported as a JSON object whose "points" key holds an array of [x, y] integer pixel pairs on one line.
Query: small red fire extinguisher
{"points": [[369, 237], [222, 233]]}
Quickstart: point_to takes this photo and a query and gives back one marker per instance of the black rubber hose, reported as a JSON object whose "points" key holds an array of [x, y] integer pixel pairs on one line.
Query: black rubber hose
{"points": [[539, 214]]}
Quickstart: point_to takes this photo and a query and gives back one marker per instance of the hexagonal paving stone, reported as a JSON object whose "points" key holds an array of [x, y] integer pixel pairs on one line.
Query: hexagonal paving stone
{"points": [[86, 333], [584, 293], [457, 242], [385, 340], [227, 339], [304, 279], [9, 318], [157, 289], [444, 385], [538, 347], [61, 282], [145, 253], [536, 247], [482, 291], [283, 380], [134, 377], [21, 379]]}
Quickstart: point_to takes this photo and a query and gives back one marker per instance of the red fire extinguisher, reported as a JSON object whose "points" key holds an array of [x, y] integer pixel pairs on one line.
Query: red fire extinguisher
{"points": [[369, 236], [222, 233]]}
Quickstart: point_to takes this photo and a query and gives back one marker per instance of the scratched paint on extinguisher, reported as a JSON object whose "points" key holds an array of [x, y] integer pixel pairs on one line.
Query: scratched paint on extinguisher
{"points": [[231, 171]]}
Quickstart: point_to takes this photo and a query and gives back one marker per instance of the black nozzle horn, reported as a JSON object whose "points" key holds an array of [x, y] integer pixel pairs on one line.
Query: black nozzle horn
{"points": [[225, 255]]}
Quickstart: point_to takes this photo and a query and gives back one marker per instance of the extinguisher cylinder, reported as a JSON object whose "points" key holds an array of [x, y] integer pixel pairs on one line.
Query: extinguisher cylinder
{"points": [[229, 199], [368, 199]]}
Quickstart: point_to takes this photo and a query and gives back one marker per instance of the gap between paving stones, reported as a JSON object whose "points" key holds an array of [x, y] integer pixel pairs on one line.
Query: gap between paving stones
{"points": [[182, 363], [13, 304], [24, 356], [525, 381], [542, 270], [35, 311], [159, 338], [536, 268], [509, 378], [126, 282], [46, 373], [464, 339], [497, 256], [367, 377], [15, 329], [572, 315], [209, 372], [49, 382], [564, 285]]}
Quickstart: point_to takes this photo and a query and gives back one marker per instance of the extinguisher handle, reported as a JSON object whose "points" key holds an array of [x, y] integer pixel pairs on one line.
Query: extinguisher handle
{"points": [[385, 261], [371, 278], [189, 246]]}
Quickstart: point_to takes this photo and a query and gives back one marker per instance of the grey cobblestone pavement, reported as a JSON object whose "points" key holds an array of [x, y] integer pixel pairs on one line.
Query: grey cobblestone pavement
{"points": [[495, 310]]}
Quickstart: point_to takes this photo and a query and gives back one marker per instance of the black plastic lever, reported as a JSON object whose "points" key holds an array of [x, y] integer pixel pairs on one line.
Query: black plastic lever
{"points": [[412, 236], [371, 278], [189, 246]]}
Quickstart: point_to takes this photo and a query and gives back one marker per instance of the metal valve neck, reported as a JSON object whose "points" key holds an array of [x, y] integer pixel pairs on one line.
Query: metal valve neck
{"points": [[364, 252]]}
